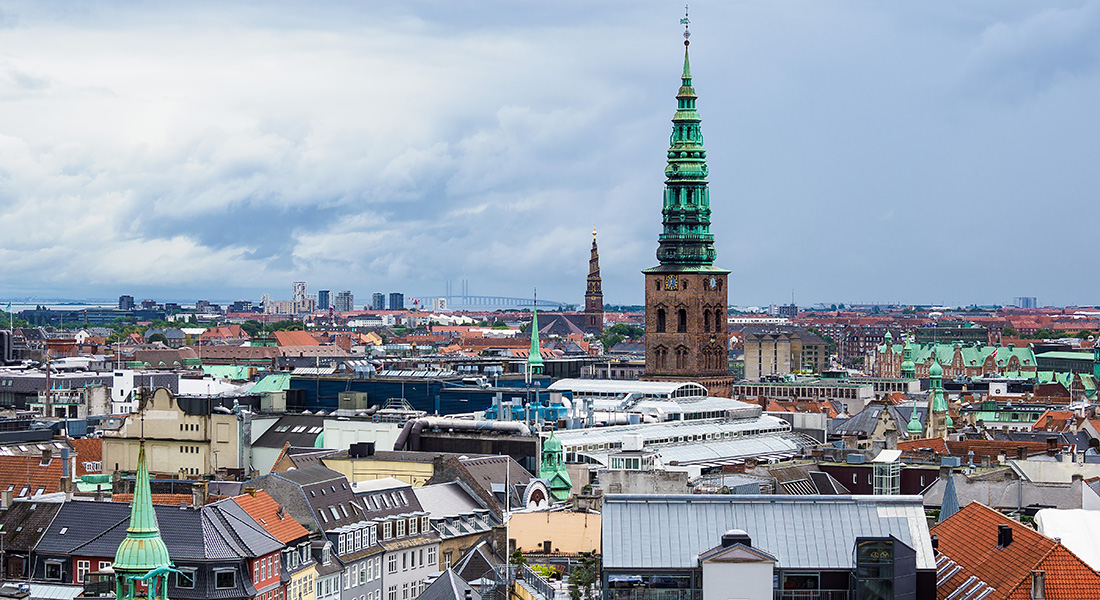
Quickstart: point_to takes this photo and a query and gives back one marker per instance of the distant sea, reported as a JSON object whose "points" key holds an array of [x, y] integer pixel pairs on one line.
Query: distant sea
{"points": [[21, 306]]}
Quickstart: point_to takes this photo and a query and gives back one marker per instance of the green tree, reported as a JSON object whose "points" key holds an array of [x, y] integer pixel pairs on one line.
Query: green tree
{"points": [[158, 337], [1084, 334], [1044, 334], [500, 325], [252, 327], [287, 325], [1010, 331], [518, 558], [583, 576]]}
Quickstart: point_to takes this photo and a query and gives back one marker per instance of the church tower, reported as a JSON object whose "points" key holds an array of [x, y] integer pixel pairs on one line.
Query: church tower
{"points": [[142, 565], [686, 336], [593, 296]]}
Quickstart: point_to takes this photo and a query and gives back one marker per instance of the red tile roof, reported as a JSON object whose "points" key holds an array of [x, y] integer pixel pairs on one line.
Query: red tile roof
{"points": [[88, 451], [18, 472], [271, 516], [968, 539], [169, 499], [295, 338]]}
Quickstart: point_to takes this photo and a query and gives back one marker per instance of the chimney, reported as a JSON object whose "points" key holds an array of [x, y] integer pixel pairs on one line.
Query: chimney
{"points": [[1021, 452], [1052, 446], [1004, 535], [6, 497], [198, 494], [47, 456], [251, 491], [935, 543], [1038, 585]]}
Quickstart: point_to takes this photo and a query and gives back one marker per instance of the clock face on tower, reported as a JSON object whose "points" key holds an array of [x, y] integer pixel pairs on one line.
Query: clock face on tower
{"points": [[670, 282], [712, 283]]}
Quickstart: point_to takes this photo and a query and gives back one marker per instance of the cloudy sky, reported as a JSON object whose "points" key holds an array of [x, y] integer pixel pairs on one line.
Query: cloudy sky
{"points": [[906, 151]]}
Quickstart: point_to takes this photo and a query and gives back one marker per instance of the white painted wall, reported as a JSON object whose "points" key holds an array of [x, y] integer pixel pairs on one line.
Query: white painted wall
{"points": [[737, 581]]}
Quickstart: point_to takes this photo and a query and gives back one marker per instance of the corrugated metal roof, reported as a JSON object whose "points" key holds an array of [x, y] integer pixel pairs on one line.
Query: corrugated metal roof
{"points": [[697, 430], [802, 532], [613, 386]]}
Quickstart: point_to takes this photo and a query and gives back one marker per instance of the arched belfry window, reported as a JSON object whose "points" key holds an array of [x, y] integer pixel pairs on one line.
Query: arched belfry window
{"points": [[682, 321], [706, 320], [660, 320]]}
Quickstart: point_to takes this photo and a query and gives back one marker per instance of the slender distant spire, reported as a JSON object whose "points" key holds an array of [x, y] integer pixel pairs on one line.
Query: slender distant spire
{"points": [[534, 358], [593, 294]]}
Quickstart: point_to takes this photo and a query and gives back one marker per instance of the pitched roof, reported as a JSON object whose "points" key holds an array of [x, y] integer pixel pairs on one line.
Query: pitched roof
{"points": [[88, 450], [267, 512], [449, 586], [26, 476], [295, 338], [24, 523], [669, 531], [478, 561], [969, 540]]}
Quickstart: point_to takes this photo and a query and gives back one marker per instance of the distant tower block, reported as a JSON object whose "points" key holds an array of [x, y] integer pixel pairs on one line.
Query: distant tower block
{"points": [[686, 336], [593, 294]]}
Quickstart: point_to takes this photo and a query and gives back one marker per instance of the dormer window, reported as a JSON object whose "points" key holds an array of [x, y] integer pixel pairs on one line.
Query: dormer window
{"points": [[412, 526], [387, 530], [401, 528]]}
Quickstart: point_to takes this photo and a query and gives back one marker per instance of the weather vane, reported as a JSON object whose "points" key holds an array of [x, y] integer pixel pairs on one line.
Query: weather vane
{"points": [[685, 22]]}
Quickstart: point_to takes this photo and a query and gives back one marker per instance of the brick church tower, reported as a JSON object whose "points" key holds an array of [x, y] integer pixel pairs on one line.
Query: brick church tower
{"points": [[593, 295], [686, 336]]}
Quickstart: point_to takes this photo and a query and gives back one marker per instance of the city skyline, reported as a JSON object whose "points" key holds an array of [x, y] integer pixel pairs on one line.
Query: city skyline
{"points": [[861, 150]]}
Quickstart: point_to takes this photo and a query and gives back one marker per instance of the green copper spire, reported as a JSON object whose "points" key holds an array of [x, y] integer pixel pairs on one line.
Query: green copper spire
{"points": [[686, 240], [534, 359], [914, 425], [908, 368], [142, 556]]}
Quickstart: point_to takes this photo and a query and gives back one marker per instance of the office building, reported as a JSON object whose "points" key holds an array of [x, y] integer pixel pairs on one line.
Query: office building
{"points": [[324, 299], [378, 301], [397, 301]]}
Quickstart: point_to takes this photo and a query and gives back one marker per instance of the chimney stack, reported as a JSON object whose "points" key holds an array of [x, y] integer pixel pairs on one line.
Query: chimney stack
{"points": [[1004, 535], [1038, 585], [1021, 452], [6, 497], [47, 456], [198, 494]]}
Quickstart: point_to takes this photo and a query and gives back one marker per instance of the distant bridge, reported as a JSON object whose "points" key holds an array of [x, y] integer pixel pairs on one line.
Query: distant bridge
{"points": [[494, 302]]}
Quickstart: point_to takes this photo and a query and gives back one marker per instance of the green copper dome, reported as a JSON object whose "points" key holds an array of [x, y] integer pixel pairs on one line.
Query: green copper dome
{"points": [[935, 370], [686, 240], [914, 425], [142, 550]]}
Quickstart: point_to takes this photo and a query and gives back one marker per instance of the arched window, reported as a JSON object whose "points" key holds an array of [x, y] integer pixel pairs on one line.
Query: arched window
{"points": [[682, 321], [660, 320], [706, 320]]}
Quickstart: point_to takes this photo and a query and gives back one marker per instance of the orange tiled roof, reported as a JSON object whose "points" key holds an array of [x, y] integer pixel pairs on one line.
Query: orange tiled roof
{"points": [[88, 450], [969, 539], [933, 444], [169, 499], [295, 338], [266, 511], [1053, 420], [19, 472]]}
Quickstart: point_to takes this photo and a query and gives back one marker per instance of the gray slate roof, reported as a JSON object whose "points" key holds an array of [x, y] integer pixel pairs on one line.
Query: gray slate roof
{"points": [[448, 586], [802, 532]]}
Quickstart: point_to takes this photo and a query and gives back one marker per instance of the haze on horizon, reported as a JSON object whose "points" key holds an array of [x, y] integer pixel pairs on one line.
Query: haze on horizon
{"points": [[859, 151]]}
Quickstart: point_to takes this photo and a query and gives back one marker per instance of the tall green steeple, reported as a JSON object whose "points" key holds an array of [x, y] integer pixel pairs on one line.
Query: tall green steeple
{"points": [[908, 367], [686, 240], [534, 358], [142, 556]]}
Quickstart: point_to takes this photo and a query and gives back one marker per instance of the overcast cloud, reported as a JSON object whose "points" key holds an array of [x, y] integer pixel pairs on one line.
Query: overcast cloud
{"points": [[859, 151]]}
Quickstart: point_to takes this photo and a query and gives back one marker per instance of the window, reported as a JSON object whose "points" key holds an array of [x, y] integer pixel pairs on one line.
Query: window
{"points": [[431, 555], [342, 548], [378, 566], [681, 321], [358, 539], [53, 570], [401, 528], [392, 563], [82, 568], [370, 569], [424, 523], [103, 564], [373, 535], [387, 530], [225, 579], [363, 573], [393, 592], [347, 578], [404, 591], [404, 561], [660, 318], [422, 557], [412, 525], [185, 579]]}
